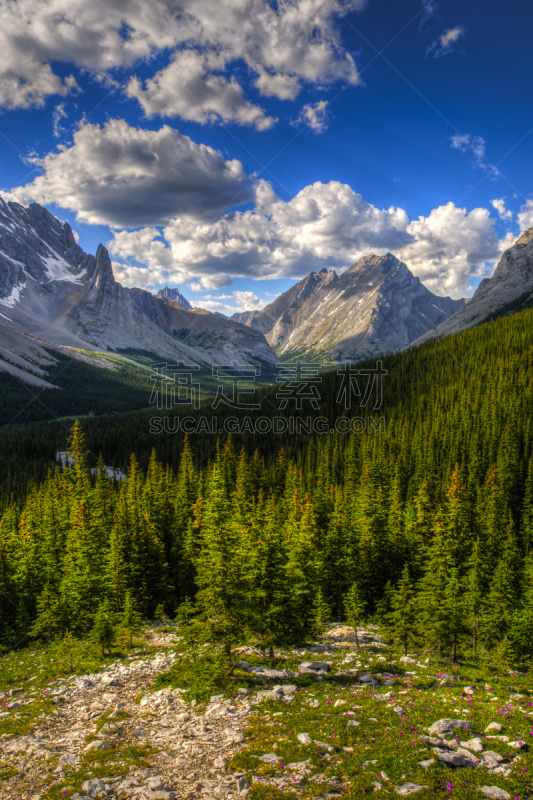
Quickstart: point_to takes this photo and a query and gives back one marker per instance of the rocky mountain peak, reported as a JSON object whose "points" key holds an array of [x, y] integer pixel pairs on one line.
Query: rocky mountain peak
{"points": [[373, 307], [103, 264], [175, 295], [99, 277], [51, 289], [525, 238], [512, 278]]}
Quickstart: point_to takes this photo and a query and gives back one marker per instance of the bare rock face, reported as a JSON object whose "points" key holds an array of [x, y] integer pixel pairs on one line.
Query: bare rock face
{"points": [[52, 293], [512, 278], [174, 294], [244, 317], [377, 306]]}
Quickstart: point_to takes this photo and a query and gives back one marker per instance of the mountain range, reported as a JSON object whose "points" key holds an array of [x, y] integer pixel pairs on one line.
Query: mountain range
{"points": [[56, 297], [53, 294], [377, 306]]}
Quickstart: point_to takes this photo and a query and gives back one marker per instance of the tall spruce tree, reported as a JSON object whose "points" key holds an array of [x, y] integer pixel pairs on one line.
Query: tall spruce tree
{"points": [[219, 565], [402, 619], [103, 631], [354, 608], [130, 621]]}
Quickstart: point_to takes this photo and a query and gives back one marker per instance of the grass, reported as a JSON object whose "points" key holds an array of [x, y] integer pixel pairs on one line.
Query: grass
{"points": [[384, 735], [200, 675], [203, 674], [388, 737], [116, 762]]}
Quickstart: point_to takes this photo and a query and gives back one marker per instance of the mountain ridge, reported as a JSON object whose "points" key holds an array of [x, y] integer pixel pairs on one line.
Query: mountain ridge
{"points": [[174, 294], [50, 289], [375, 306], [244, 317], [512, 278]]}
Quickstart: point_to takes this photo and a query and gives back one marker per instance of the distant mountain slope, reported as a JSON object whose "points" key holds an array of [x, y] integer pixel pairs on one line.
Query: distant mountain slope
{"points": [[244, 317], [174, 294], [377, 306], [508, 290], [56, 294]]}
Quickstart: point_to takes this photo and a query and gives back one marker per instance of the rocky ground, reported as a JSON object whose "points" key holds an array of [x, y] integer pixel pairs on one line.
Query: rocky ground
{"points": [[329, 721]]}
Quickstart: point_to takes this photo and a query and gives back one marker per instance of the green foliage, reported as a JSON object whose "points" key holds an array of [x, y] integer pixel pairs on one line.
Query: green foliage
{"points": [[402, 619], [185, 611], [321, 614], [262, 539], [130, 621], [47, 620], [69, 651], [160, 615], [103, 631], [354, 608], [504, 656], [201, 674]]}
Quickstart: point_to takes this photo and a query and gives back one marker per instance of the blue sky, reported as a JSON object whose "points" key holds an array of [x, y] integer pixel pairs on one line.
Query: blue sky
{"points": [[230, 148]]}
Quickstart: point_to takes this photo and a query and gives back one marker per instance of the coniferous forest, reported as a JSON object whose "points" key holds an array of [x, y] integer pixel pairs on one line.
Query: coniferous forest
{"points": [[425, 526]]}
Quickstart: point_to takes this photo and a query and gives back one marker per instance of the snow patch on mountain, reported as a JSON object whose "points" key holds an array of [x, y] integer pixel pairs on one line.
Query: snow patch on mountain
{"points": [[57, 269], [14, 297]]}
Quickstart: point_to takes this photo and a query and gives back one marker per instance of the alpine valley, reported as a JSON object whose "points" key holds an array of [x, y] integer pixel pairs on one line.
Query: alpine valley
{"points": [[56, 297]]}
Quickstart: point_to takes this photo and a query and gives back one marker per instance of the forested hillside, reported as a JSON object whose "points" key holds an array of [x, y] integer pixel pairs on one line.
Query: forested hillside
{"points": [[428, 525]]}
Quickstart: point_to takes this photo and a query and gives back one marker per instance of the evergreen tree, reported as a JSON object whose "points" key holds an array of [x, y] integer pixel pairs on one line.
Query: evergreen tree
{"points": [[476, 581], [130, 621], [68, 650], [455, 612], [267, 596], [522, 623], [219, 598], [432, 599], [103, 631], [321, 614], [302, 567], [48, 619], [160, 615], [502, 600], [354, 609], [402, 619], [185, 612], [526, 524]]}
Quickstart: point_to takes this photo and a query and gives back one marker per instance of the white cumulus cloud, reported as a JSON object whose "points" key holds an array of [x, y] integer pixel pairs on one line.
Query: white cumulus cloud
{"points": [[188, 88], [123, 176], [450, 247], [283, 45], [324, 225], [315, 116], [525, 215], [499, 205], [173, 191]]}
